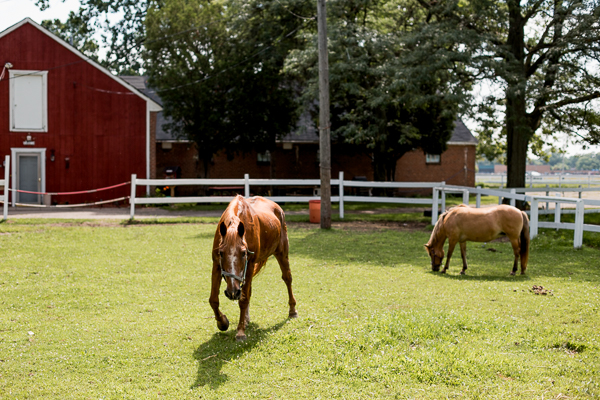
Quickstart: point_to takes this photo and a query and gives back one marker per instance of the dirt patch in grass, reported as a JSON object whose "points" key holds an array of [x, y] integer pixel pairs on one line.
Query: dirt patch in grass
{"points": [[537, 289]]}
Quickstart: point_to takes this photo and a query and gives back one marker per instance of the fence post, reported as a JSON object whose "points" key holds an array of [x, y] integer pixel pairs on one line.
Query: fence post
{"points": [[533, 222], [246, 185], [466, 196], [443, 201], [580, 191], [500, 197], [557, 211], [513, 202], [6, 188], [132, 198], [341, 190], [579, 215], [434, 207], [547, 194], [478, 198]]}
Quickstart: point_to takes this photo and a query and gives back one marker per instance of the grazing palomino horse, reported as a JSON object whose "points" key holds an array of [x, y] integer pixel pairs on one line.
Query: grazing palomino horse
{"points": [[249, 232], [463, 223]]}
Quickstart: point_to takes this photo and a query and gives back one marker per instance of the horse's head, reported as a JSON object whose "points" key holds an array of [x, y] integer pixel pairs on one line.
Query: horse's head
{"points": [[233, 258], [436, 255]]}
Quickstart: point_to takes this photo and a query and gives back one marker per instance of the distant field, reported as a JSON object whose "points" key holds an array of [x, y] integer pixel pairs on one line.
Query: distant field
{"points": [[116, 311]]}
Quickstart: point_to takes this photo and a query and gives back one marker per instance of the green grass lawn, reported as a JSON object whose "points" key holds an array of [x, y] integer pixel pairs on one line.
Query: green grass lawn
{"points": [[92, 310]]}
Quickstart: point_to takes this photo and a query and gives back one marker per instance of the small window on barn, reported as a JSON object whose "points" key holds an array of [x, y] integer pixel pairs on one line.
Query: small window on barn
{"points": [[432, 158], [264, 158], [29, 101]]}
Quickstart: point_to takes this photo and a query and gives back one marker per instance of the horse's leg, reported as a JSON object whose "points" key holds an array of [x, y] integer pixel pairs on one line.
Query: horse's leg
{"points": [[222, 321], [286, 275], [451, 245], [516, 245], [463, 253], [244, 311]]}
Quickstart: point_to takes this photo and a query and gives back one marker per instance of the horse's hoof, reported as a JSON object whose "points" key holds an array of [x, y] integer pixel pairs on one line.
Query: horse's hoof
{"points": [[240, 338], [223, 325], [443, 272], [512, 273], [462, 272], [294, 314]]}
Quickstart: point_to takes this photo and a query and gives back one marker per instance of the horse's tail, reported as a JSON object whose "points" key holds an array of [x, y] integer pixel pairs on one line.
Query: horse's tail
{"points": [[525, 239]]}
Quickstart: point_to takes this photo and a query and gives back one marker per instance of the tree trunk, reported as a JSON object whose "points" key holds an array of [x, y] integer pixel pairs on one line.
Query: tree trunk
{"points": [[517, 138], [518, 132]]}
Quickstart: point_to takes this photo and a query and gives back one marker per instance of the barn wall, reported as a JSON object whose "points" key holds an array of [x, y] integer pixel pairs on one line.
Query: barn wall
{"points": [[92, 119]]}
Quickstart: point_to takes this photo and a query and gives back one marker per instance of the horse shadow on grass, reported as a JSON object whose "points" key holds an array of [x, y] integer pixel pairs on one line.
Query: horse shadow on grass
{"points": [[485, 277], [222, 348]]}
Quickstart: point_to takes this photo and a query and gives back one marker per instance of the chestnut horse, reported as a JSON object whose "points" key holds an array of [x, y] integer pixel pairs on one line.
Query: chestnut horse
{"points": [[249, 232], [463, 223]]}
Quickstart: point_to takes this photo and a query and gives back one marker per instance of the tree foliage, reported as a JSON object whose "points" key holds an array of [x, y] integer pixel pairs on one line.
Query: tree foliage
{"points": [[75, 32], [121, 23], [543, 57], [217, 66], [381, 101]]}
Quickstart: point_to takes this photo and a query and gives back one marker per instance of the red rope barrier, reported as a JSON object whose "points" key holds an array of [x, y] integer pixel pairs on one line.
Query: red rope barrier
{"points": [[67, 193]]}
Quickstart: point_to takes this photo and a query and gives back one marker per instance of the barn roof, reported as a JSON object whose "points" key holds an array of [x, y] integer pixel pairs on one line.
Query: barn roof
{"points": [[306, 133], [141, 84], [152, 104]]}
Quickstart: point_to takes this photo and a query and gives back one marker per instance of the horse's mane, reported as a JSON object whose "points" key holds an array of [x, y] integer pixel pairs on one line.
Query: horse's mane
{"points": [[234, 211], [440, 224], [437, 228]]}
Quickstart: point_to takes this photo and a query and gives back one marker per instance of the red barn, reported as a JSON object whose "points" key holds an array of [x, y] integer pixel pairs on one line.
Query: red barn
{"points": [[68, 124]]}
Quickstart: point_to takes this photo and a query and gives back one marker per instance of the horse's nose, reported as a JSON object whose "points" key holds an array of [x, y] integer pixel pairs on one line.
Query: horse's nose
{"points": [[234, 294], [435, 268]]}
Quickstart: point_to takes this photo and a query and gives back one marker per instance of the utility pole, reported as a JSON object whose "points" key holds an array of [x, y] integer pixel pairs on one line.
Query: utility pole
{"points": [[324, 124]]}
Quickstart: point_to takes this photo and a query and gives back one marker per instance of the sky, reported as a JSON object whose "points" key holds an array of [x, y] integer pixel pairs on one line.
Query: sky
{"points": [[13, 11]]}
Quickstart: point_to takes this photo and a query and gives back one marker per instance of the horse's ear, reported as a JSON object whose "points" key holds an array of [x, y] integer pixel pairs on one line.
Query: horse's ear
{"points": [[241, 229], [223, 229], [427, 245]]}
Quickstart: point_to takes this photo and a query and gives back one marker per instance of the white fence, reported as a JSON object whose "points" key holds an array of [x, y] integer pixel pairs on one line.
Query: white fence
{"points": [[554, 179], [578, 227], [4, 183], [310, 183], [439, 190]]}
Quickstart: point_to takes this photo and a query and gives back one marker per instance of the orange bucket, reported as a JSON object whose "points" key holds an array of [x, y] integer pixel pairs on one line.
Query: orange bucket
{"points": [[314, 211]]}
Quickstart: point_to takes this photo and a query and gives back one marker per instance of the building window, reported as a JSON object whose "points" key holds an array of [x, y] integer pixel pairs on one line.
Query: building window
{"points": [[264, 158], [432, 158], [29, 101]]}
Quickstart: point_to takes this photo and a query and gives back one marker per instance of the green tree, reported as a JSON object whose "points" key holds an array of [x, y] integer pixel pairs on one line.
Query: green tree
{"points": [[121, 23], [542, 53], [381, 100], [76, 32], [588, 162], [217, 66]]}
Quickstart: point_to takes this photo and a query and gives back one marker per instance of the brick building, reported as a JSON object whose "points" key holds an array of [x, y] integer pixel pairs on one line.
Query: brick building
{"points": [[297, 157]]}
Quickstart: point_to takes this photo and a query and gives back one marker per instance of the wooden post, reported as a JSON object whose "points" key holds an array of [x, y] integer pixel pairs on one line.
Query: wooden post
{"points": [[247, 185], [478, 199], [6, 186], [557, 210], [579, 215], [132, 198], [341, 185], [434, 206], [533, 221], [324, 128]]}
